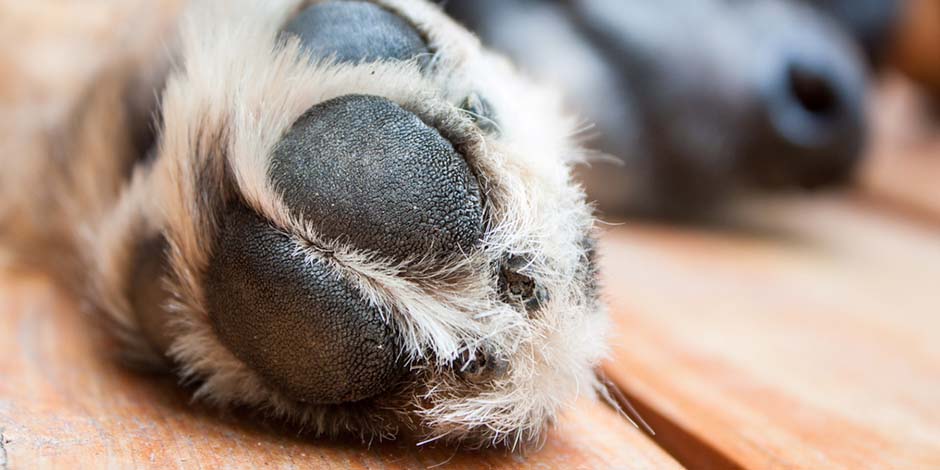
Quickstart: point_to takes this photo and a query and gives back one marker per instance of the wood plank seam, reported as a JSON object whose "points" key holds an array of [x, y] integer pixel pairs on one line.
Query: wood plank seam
{"points": [[810, 350], [687, 448]]}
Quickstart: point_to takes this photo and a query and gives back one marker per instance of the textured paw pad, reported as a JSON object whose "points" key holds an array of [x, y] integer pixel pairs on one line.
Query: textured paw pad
{"points": [[355, 32], [364, 172], [296, 321]]}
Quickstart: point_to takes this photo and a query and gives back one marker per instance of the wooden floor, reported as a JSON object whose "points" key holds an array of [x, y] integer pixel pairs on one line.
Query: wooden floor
{"points": [[805, 334], [64, 404]]}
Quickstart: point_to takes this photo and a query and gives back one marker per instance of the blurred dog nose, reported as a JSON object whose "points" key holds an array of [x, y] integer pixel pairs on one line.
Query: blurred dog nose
{"points": [[811, 125]]}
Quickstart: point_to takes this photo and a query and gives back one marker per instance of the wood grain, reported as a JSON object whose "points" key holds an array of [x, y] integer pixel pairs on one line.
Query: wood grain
{"points": [[65, 404], [810, 343], [916, 45], [902, 167]]}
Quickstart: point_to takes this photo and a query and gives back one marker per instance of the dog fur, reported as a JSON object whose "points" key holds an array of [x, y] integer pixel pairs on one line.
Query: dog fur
{"points": [[234, 87]]}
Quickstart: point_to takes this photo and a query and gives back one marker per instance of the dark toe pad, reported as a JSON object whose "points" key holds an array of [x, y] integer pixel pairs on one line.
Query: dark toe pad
{"points": [[355, 32], [296, 322], [367, 172]]}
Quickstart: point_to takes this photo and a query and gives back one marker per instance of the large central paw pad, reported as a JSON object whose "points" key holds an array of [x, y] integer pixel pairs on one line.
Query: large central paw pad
{"points": [[362, 169]]}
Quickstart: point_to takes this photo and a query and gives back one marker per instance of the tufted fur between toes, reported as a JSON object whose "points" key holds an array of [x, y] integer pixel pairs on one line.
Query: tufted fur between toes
{"points": [[235, 88]]}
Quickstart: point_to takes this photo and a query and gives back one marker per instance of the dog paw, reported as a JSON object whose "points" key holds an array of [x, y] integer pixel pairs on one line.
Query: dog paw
{"points": [[359, 220]]}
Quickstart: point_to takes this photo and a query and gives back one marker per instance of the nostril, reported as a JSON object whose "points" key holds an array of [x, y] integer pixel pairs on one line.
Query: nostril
{"points": [[810, 105], [814, 92], [809, 125]]}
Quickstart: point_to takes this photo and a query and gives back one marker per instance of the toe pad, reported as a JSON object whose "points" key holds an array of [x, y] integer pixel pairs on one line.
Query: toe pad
{"points": [[296, 321], [355, 32], [365, 171]]}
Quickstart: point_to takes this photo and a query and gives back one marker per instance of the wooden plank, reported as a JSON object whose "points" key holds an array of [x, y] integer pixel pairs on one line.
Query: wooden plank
{"points": [[916, 43], [65, 404], [812, 342], [902, 168]]}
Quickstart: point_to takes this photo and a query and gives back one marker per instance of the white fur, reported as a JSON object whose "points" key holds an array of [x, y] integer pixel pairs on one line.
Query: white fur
{"points": [[235, 91]]}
